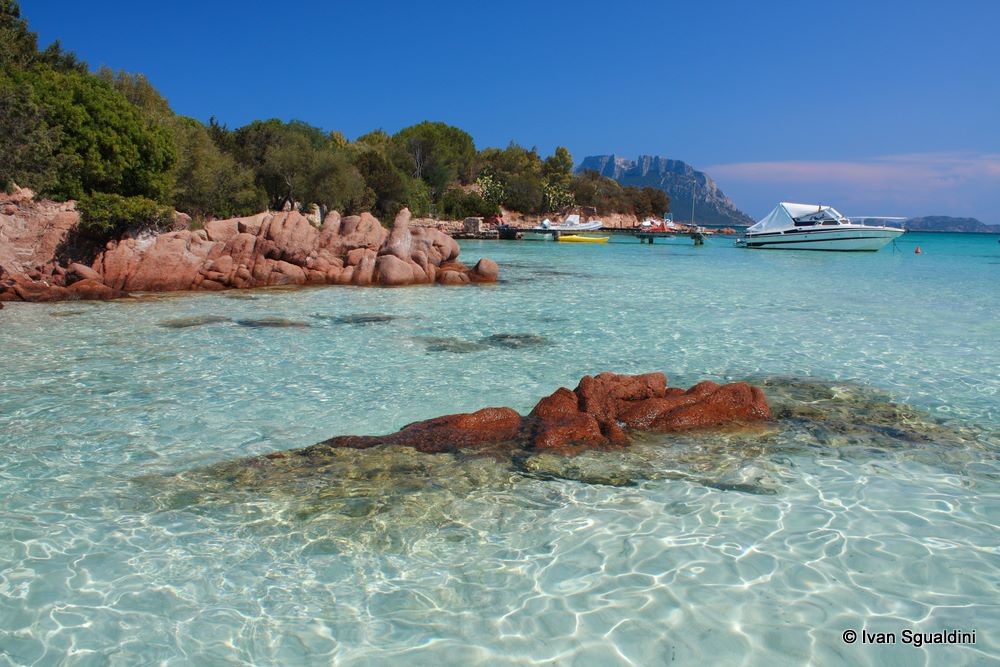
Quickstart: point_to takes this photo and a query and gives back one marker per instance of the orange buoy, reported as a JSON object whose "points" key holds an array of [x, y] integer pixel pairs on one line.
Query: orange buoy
{"points": [[917, 251]]}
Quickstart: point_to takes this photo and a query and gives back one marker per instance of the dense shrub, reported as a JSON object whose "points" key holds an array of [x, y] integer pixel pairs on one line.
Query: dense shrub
{"points": [[27, 143], [456, 205], [104, 144], [207, 181], [108, 216], [388, 186]]}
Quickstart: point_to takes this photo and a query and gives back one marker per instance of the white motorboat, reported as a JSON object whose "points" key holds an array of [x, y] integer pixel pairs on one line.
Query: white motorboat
{"points": [[572, 224], [817, 227], [548, 230]]}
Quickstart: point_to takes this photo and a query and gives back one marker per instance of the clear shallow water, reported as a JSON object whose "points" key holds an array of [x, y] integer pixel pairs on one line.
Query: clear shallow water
{"points": [[721, 551]]}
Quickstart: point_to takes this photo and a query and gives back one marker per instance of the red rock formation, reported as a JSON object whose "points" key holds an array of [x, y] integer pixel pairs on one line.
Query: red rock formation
{"points": [[32, 231], [266, 249], [462, 431], [598, 414], [284, 249]]}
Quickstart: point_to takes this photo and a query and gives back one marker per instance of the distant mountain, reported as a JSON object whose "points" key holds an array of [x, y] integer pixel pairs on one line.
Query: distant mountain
{"points": [[945, 223], [676, 178]]}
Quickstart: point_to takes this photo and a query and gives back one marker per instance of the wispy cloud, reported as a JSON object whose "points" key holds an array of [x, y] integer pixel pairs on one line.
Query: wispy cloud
{"points": [[916, 183]]}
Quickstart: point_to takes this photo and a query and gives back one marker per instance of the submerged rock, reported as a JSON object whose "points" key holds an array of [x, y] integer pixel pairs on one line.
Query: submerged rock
{"points": [[387, 497], [516, 340], [356, 478], [192, 321], [473, 430], [596, 415], [367, 490], [455, 345], [263, 322], [846, 415], [359, 318]]}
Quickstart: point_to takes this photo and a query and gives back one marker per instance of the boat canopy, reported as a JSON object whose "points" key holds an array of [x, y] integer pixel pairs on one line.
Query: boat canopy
{"points": [[786, 215]]}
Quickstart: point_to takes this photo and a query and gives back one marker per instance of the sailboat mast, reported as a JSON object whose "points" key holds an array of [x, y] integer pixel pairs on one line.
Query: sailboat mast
{"points": [[694, 189]]}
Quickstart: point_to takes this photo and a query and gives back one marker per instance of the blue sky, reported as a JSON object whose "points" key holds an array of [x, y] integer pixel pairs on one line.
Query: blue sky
{"points": [[878, 107]]}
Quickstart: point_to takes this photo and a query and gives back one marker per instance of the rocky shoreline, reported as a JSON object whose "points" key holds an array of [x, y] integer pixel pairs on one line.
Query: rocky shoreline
{"points": [[267, 249]]}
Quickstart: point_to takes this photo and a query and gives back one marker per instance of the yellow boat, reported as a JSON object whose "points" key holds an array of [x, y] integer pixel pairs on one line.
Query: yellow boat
{"points": [[573, 238]]}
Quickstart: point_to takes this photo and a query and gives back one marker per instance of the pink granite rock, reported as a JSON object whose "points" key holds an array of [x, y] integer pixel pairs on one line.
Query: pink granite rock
{"points": [[283, 248]]}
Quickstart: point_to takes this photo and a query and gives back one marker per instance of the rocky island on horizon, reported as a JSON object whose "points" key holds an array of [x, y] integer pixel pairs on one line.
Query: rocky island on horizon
{"points": [[947, 223], [677, 179]]}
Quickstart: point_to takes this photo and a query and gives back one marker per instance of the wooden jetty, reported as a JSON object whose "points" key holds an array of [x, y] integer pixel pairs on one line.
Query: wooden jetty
{"points": [[696, 235]]}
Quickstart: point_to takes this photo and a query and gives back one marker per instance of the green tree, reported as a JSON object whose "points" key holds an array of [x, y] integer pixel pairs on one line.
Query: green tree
{"points": [[333, 182], [297, 164], [27, 143], [603, 193], [510, 161], [378, 157], [376, 139], [277, 153], [222, 136], [137, 89], [208, 182], [64, 61], [18, 45], [557, 169], [418, 197], [519, 173], [104, 143], [388, 185], [438, 154], [647, 201], [524, 193]]}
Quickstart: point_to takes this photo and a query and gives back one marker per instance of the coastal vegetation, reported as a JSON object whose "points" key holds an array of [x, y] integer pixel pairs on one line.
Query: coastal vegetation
{"points": [[104, 215], [111, 140]]}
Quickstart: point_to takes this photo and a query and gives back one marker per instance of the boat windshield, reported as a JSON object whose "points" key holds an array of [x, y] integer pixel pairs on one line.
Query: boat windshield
{"points": [[824, 216]]}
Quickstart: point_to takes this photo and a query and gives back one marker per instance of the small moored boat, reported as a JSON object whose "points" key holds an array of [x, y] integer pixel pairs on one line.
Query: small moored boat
{"points": [[550, 231], [573, 238], [572, 224], [816, 227]]}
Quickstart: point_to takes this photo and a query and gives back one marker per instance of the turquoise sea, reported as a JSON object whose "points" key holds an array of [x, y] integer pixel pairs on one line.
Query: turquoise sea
{"points": [[129, 537]]}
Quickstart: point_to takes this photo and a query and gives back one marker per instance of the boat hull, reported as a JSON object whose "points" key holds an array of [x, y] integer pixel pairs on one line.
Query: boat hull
{"points": [[857, 239]]}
